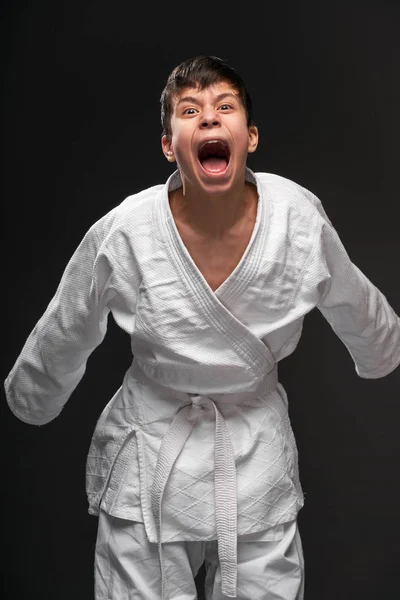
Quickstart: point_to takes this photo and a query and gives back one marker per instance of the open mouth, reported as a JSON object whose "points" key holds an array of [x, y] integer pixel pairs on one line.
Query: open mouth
{"points": [[214, 156]]}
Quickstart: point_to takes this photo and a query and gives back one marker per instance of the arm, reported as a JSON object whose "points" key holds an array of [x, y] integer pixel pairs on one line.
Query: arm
{"points": [[356, 310], [53, 359]]}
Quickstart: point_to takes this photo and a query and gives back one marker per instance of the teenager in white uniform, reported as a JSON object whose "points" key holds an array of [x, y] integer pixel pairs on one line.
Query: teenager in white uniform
{"points": [[211, 275]]}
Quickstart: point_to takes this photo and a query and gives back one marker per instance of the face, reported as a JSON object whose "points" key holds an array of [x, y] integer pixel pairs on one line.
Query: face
{"points": [[215, 113]]}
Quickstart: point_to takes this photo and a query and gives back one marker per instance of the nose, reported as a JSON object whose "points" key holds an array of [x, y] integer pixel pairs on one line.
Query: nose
{"points": [[209, 118], [206, 123]]}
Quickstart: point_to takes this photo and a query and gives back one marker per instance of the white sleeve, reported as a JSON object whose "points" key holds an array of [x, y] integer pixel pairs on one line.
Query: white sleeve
{"points": [[356, 310], [53, 359]]}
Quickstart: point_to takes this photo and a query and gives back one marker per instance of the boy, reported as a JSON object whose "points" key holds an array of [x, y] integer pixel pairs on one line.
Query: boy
{"points": [[211, 275]]}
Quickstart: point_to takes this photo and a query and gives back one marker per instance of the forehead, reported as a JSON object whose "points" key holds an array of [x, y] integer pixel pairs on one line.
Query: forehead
{"points": [[212, 91]]}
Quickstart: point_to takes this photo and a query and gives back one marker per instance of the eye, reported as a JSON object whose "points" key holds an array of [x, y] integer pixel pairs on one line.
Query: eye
{"points": [[226, 106], [186, 110]]}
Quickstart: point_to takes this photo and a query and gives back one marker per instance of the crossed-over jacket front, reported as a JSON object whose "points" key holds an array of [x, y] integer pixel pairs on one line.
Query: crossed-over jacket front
{"points": [[199, 430]]}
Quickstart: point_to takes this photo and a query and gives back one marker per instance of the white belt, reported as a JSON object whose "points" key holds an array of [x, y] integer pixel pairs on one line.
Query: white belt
{"points": [[225, 486], [224, 480]]}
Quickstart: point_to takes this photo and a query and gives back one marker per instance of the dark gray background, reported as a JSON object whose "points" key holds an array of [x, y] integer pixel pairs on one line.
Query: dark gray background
{"points": [[82, 82]]}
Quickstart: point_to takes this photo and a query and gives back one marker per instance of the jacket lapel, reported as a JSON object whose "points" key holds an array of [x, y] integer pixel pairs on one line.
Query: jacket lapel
{"points": [[249, 347]]}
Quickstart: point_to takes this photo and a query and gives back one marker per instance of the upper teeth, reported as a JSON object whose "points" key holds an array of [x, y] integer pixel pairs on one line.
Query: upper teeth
{"points": [[213, 142]]}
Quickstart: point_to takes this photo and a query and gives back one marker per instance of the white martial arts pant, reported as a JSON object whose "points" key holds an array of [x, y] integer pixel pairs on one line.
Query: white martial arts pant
{"points": [[127, 565]]}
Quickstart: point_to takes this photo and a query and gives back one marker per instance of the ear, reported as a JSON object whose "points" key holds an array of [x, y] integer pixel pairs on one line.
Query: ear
{"points": [[166, 146], [253, 138]]}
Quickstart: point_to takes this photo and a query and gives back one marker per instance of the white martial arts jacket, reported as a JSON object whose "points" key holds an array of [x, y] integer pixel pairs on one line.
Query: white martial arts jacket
{"points": [[199, 430]]}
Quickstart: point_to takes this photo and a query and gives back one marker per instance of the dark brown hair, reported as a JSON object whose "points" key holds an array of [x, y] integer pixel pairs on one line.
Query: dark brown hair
{"points": [[201, 72]]}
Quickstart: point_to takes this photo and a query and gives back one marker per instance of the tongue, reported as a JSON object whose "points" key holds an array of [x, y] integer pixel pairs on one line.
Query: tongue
{"points": [[214, 165]]}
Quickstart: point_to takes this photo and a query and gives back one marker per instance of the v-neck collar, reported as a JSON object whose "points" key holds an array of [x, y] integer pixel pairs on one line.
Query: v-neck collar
{"points": [[252, 254], [212, 304]]}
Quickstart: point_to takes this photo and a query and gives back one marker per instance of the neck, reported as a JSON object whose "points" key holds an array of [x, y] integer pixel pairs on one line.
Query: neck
{"points": [[214, 216]]}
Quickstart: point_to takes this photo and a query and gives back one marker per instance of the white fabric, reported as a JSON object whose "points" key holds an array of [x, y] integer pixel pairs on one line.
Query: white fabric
{"points": [[224, 478], [270, 564], [225, 504], [187, 339]]}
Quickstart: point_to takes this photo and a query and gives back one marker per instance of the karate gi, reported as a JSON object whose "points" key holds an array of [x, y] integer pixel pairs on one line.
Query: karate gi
{"points": [[197, 443]]}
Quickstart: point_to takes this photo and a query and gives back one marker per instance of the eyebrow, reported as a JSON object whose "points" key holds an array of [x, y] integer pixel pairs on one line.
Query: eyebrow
{"points": [[217, 99]]}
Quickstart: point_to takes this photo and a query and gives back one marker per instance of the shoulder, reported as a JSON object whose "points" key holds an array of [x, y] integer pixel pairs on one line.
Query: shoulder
{"points": [[127, 216], [293, 196]]}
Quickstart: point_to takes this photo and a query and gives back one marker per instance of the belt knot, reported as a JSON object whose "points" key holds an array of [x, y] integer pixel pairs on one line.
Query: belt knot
{"points": [[198, 407]]}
